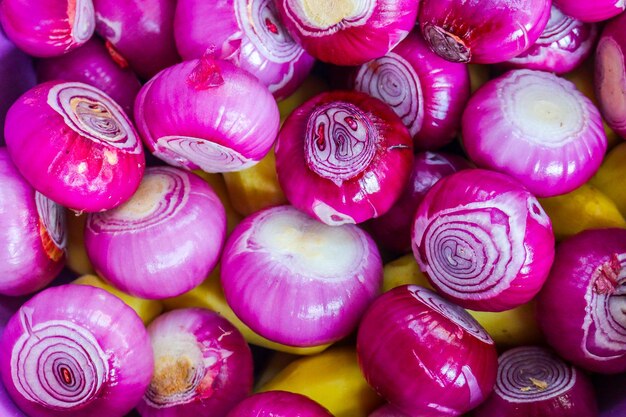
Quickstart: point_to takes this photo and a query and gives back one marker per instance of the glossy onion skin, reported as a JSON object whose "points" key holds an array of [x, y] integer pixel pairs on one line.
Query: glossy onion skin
{"points": [[249, 33], [334, 189], [93, 340], [387, 410], [425, 90], [369, 32], [483, 240], [426, 356], [591, 10], [207, 114], [484, 31], [278, 404], [164, 241], [589, 273]]}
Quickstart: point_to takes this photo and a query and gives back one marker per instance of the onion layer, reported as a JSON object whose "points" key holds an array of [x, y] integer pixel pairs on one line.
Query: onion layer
{"points": [[278, 404], [591, 11]]}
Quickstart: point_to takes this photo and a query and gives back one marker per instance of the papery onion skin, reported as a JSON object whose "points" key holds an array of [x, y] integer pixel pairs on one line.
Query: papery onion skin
{"points": [[483, 240], [591, 11], [589, 329], [425, 355], [75, 145], [537, 128], [349, 32], [93, 348], [297, 281], [164, 241], [250, 33], [142, 31], [343, 157], [203, 365], [482, 32], [93, 64], [425, 90], [278, 404], [207, 114]]}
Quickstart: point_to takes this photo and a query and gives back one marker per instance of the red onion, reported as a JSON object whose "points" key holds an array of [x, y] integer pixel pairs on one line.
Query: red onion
{"points": [[533, 381], [590, 328], [278, 404], [387, 410], [142, 31], [343, 157], [75, 145], [591, 11], [426, 356], [93, 64], [482, 32], [7, 406], [248, 32], [348, 32], [75, 350], [610, 390], [483, 240], [207, 114], [426, 91], [317, 279], [203, 365], [164, 241], [537, 128], [563, 45]]}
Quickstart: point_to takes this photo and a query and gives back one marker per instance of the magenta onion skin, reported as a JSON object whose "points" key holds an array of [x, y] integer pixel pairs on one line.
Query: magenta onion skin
{"points": [[482, 32], [8, 306], [162, 242], [7, 406], [349, 33], [387, 410], [142, 31], [32, 234], [425, 355], [250, 33], [343, 157], [534, 382], [589, 329], [537, 128], [93, 64], [75, 350], [591, 11], [278, 404], [203, 365], [563, 45], [483, 240], [425, 90], [392, 230], [297, 281], [75, 145], [207, 114]]}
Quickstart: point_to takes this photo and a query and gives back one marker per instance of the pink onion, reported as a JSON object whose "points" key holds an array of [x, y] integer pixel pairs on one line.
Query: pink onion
{"points": [[317, 279], [7, 406], [47, 27], [250, 33], [426, 356], [589, 329], [278, 404], [483, 240], [8, 307], [387, 410], [537, 128], [591, 11], [348, 32], [426, 91], [207, 114], [534, 381], [78, 351], [93, 64], [203, 365], [483, 32], [164, 241], [343, 157]]}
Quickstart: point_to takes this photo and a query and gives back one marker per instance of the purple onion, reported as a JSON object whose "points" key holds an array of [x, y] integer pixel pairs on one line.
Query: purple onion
{"points": [[343, 157], [7, 406], [483, 240], [297, 281], [207, 114], [76, 351], [611, 394], [202, 365], [164, 241], [249, 33], [589, 329], [537, 128], [482, 32], [346, 32], [278, 404], [425, 355], [387, 410], [591, 10], [8, 307]]}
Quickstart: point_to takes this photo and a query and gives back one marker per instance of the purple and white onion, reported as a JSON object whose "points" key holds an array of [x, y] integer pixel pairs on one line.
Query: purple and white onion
{"points": [[278, 404], [591, 10]]}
